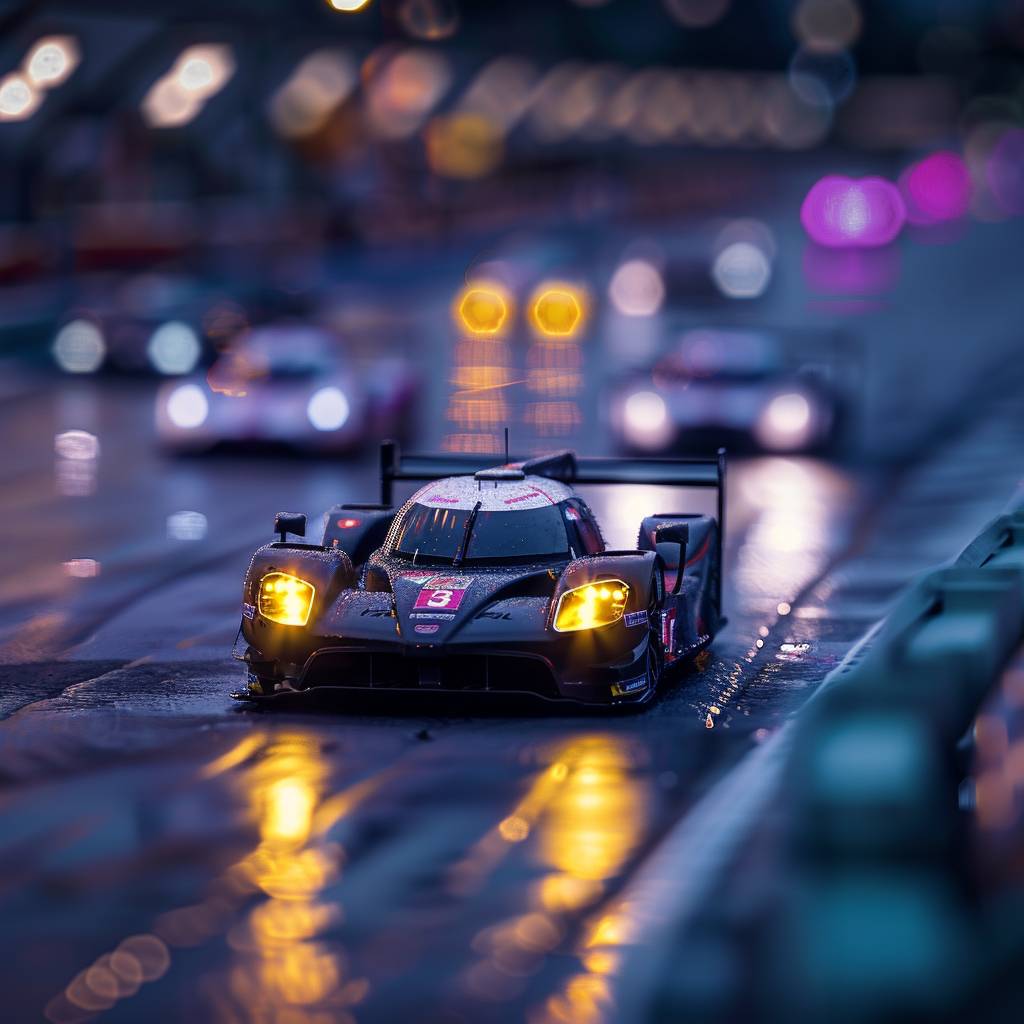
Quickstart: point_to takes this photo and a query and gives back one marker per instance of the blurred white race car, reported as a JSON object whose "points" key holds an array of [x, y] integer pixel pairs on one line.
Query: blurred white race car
{"points": [[286, 386], [727, 386]]}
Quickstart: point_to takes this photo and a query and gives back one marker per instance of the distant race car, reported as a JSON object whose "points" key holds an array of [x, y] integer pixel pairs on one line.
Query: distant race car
{"points": [[285, 385], [726, 386], [496, 580]]}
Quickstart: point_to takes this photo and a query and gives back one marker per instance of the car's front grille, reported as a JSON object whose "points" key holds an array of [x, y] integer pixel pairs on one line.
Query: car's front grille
{"points": [[458, 672]]}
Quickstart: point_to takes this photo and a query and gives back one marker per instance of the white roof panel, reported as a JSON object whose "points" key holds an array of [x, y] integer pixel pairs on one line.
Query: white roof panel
{"points": [[463, 492]]}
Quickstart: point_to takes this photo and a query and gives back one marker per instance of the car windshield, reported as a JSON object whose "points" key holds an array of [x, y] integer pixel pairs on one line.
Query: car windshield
{"points": [[434, 535]]}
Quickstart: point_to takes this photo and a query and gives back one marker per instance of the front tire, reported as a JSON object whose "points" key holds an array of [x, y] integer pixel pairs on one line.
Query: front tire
{"points": [[655, 653]]}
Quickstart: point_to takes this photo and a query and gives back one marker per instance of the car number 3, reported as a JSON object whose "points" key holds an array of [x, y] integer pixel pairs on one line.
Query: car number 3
{"points": [[439, 599]]}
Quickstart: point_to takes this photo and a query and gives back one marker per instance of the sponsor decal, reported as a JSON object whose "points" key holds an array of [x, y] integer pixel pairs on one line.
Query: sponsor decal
{"points": [[668, 631], [629, 686], [442, 499], [249, 611], [571, 514], [505, 616], [416, 577], [636, 618], [528, 496], [427, 627], [376, 613], [436, 616], [443, 593]]}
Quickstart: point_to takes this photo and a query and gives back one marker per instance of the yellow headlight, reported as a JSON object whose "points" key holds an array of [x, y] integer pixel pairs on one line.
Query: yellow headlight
{"points": [[285, 599], [596, 604]]}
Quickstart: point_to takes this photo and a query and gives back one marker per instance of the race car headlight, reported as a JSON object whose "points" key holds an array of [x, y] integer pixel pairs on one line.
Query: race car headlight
{"points": [[285, 599], [596, 604]]}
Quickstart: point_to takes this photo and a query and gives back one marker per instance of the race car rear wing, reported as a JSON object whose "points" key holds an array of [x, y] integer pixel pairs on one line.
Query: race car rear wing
{"points": [[566, 467]]}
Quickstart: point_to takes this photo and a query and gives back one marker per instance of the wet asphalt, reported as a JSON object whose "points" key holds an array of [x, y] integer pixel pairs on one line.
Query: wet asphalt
{"points": [[168, 854]]}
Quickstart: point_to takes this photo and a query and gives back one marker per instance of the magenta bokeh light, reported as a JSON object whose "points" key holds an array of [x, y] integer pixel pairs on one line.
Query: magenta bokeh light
{"points": [[936, 189], [853, 212], [1005, 172]]}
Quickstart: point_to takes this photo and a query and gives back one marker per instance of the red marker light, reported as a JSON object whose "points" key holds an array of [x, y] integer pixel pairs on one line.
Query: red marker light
{"points": [[347, 524]]}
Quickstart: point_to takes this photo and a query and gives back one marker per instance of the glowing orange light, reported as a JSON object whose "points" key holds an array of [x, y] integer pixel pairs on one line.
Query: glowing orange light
{"points": [[347, 524], [557, 310], [286, 599], [483, 308]]}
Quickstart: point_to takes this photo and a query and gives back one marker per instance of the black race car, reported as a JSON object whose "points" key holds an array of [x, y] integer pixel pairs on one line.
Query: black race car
{"points": [[497, 579]]}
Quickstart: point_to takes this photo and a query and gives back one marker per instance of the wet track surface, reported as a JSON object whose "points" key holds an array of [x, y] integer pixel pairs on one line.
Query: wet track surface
{"points": [[200, 859], [370, 860]]}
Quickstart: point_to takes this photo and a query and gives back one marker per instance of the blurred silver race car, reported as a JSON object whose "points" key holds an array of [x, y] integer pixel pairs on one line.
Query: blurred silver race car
{"points": [[727, 386], [285, 385]]}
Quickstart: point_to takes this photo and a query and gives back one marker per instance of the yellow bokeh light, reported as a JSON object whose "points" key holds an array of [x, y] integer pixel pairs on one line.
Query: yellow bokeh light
{"points": [[483, 308], [558, 310], [349, 6], [464, 145]]}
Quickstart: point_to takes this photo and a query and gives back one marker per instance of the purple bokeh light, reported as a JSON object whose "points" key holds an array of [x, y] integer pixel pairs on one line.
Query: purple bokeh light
{"points": [[841, 212], [936, 189], [1005, 172]]}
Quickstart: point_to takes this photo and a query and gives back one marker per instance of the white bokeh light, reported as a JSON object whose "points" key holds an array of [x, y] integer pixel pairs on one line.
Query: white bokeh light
{"points": [[188, 407], [18, 99], [637, 288], [742, 270], [328, 409], [186, 525], [173, 348], [786, 423], [79, 347], [51, 61], [645, 420]]}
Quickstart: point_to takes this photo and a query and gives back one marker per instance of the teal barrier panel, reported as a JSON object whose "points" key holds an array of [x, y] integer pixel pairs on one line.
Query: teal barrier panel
{"points": [[877, 921]]}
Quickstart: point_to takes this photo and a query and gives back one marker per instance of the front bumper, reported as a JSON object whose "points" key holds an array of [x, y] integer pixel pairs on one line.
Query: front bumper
{"points": [[465, 669]]}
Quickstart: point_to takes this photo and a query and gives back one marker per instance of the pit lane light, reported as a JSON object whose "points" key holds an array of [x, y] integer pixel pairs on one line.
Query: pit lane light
{"points": [[285, 598], [595, 604], [557, 310], [483, 308]]}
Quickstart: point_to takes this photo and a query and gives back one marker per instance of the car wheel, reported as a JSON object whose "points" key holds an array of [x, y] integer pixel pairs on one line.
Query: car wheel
{"points": [[261, 677]]}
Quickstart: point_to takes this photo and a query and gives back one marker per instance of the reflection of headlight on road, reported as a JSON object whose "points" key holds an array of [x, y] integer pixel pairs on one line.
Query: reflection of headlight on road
{"points": [[786, 423], [328, 409], [187, 407], [645, 420]]}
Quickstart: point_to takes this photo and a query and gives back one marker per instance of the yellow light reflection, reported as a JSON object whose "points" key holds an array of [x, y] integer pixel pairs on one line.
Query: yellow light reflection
{"points": [[287, 968], [284, 957], [583, 817]]}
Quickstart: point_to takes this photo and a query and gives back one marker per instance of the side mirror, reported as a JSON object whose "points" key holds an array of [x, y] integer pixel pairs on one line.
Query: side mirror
{"points": [[677, 534], [289, 522]]}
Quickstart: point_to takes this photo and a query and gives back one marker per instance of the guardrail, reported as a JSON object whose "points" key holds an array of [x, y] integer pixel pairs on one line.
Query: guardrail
{"points": [[879, 920]]}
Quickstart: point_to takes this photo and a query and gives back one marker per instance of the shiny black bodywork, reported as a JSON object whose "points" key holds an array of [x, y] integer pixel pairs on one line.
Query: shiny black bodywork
{"points": [[367, 632]]}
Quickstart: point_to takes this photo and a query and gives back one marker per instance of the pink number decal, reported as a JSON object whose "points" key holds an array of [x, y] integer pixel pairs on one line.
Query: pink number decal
{"points": [[439, 598]]}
